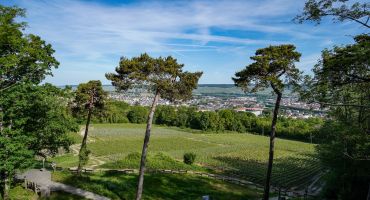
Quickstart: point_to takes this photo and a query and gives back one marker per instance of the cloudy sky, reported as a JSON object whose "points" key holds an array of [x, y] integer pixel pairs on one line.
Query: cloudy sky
{"points": [[216, 37]]}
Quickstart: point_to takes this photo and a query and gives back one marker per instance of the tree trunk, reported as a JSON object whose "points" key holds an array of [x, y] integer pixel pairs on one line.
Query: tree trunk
{"points": [[84, 140], [145, 147], [6, 186], [272, 144]]}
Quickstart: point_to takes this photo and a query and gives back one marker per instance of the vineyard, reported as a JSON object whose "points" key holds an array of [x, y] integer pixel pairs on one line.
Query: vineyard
{"points": [[234, 154]]}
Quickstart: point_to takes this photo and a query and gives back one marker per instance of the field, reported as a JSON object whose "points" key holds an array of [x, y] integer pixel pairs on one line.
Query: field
{"points": [[157, 186], [242, 155]]}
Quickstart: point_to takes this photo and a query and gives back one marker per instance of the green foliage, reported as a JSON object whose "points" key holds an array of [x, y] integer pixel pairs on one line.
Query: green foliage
{"points": [[41, 114], [114, 112], [341, 83], [36, 122], [89, 97], [346, 92], [210, 121], [339, 10], [346, 157], [231, 120], [273, 66], [138, 114], [189, 158], [184, 116], [23, 58], [14, 152], [165, 115]]}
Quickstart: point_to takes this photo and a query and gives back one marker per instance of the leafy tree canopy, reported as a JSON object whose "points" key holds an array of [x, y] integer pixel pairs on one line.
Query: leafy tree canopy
{"points": [[40, 113], [341, 82], [89, 95], [23, 57]]}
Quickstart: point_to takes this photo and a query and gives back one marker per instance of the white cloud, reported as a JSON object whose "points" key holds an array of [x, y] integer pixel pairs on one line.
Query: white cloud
{"points": [[86, 33]]}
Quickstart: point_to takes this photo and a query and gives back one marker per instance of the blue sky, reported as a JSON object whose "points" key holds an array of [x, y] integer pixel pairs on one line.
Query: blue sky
{"points": [[216, 37]]}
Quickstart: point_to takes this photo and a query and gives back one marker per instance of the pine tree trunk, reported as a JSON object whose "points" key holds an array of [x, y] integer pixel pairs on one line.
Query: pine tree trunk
{"points": [[84, 140], [272, 145], [145, 147]]}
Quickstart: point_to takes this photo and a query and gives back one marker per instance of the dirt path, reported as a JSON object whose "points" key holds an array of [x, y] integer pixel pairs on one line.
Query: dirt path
{"points": [[76, 148]]}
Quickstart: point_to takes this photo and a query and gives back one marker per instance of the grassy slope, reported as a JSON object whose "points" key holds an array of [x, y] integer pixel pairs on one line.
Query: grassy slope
{"points": [[242, 154], [157, 186]]}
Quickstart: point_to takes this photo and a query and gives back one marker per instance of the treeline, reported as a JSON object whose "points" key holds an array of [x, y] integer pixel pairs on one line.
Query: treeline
{"points": [[212, 121]]}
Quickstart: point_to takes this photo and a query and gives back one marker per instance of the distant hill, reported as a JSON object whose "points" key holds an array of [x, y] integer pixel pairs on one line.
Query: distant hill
{"points": [[226, 90]]}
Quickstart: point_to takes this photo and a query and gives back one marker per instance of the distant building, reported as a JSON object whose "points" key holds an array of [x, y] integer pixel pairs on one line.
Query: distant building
{"points": [[255, 111]]}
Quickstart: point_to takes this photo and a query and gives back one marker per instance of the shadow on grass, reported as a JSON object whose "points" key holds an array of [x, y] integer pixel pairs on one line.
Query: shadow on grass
{"points": [[287, 172], [158, 186]]}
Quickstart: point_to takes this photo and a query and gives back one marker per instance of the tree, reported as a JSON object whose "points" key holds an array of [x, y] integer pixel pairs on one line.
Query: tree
{"points": [[315, 10], [14, 155], [90, 98], [165, 115], [164, 77], [26, 59], [23, 58], [272, 67], [36, 122], [114, 112], [137, 114], [210, 121], [182, 117], [341, 83]]}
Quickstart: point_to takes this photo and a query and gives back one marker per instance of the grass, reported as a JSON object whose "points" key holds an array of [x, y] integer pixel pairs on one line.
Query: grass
{"points": [[66, 160], [20, 193], [157, 186], [154, 161], [230, 153]]}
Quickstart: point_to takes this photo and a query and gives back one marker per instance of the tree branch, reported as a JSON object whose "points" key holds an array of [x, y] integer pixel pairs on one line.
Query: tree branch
{"points": [[348, 17]]}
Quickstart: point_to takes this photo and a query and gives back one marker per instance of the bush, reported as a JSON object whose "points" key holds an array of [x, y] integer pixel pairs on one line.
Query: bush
{"points": [[138, 114], [189, 158]]}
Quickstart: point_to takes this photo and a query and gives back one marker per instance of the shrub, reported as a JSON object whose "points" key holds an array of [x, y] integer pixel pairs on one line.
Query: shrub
{"points": [[189, 158], [138, 114]]}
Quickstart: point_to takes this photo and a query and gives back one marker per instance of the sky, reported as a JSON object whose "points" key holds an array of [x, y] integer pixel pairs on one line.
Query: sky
{"points": [[216, 37]]}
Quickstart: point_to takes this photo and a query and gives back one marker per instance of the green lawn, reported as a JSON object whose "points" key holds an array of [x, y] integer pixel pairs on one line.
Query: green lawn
{"points": [[229, 153], [157, 186], [19, 193]]}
